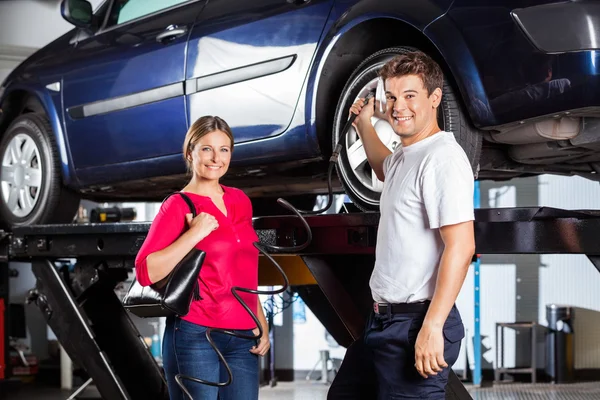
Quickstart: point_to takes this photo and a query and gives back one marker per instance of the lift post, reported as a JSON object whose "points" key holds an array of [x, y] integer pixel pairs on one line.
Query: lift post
{"points": [[81, 307], [477, 304], [4, 306]]}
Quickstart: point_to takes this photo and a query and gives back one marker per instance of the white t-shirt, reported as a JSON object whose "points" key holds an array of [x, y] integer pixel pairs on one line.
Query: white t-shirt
{"points": [[427, 185]]}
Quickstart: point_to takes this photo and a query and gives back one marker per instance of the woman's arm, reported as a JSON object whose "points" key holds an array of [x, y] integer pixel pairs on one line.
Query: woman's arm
{"points": [[165, 246], [264, 343], [162, 262]]}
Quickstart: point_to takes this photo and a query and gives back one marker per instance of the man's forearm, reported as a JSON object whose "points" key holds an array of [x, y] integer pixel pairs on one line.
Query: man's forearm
{"points": [[454, 265], [375, 150]]}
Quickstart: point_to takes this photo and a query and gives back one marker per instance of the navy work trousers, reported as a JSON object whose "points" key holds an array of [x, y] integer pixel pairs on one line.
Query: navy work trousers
{"points": [[381, 364]]}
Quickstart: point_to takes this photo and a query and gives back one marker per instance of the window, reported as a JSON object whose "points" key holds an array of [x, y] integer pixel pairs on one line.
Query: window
{"points": [[127, 10]]}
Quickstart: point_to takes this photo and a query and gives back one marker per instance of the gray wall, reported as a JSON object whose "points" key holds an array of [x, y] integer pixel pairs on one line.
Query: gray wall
{"points": [[21, 32], [518, 287]]}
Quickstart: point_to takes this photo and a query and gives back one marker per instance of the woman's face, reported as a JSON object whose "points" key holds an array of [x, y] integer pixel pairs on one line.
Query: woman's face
{"points": [[211, 156]]}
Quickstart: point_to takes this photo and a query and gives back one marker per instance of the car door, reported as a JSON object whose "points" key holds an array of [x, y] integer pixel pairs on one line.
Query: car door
{"points": [[248, 60], [123, 91]]}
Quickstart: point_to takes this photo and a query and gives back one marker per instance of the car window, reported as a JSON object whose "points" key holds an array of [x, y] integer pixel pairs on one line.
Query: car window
{"points": [[127, 10]]}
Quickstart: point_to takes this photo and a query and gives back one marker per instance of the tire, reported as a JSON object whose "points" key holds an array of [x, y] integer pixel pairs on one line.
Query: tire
{"points": [[355, 175], [34, 177]]}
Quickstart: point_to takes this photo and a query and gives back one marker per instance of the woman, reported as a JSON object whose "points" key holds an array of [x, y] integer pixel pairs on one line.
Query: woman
{"points": [[223, 229]]}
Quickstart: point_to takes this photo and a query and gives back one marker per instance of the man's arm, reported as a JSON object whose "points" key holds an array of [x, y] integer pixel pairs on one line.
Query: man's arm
{"points": [[375, 150], [448, 187], [459, 241]]}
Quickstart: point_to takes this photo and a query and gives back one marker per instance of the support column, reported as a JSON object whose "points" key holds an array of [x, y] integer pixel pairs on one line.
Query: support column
{"points": [[528, 277], [527, 265], [283, 346], [4, 320], [4, 306]]}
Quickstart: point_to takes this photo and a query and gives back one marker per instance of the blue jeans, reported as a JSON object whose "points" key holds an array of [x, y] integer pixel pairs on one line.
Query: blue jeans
{"points": [[186, 351]]}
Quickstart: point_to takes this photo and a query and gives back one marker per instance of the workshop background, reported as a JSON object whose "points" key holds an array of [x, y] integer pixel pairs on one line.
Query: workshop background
{"points": [[512, 287]]}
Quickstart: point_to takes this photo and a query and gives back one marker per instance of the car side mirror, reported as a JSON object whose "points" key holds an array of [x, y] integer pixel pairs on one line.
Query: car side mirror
{"points": [[77, 12]]}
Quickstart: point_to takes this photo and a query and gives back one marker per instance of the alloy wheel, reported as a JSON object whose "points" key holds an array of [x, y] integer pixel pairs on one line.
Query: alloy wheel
{"points": [[21, 177], [355, 151]]}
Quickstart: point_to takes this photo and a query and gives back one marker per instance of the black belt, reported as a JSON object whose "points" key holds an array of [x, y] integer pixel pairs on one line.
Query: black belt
{"points": [[401, 308]]}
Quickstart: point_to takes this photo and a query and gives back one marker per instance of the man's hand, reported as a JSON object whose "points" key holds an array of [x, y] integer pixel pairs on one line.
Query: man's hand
{"points": [[264, 344], [364, 113], [385, 114], [429, 351]]}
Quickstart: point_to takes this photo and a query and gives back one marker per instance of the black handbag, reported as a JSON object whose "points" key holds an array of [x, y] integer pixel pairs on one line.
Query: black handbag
{"points": [[173, 294]]}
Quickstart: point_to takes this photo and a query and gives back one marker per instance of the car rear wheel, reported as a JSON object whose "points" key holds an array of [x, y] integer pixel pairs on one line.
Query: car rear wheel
{"points": [[31, 191], [357, 178]]}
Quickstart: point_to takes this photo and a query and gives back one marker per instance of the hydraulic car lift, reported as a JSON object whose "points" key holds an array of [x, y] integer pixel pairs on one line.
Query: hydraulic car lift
{"points": [[331, 275]]}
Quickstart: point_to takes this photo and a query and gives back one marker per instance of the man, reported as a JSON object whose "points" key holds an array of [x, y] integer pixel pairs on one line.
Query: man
{"points": [[424, 246]]}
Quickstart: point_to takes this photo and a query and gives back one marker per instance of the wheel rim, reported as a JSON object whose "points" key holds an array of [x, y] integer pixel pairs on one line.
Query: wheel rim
{"points": [[357, 158], [355, 153], [21, 175]]}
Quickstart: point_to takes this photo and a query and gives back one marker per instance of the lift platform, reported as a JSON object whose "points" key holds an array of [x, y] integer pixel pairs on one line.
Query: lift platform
{"points": [[331, 275]]}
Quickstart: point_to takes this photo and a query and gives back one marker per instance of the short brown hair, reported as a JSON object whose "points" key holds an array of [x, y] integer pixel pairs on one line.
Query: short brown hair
{"points": [[415, 63], [201, 127]]}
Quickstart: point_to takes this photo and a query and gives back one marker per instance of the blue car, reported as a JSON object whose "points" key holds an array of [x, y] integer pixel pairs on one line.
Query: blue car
{"points": [[101, 112]]}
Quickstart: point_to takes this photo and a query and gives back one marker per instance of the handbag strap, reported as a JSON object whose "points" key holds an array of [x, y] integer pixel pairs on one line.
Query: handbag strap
{"points": [[186, 199]]}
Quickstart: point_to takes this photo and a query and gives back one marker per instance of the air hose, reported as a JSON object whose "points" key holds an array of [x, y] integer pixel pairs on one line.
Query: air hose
{"points": [[262, 248]]}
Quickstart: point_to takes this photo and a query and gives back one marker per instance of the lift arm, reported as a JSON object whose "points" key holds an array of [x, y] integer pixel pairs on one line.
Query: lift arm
{"points": [[339, 259]]}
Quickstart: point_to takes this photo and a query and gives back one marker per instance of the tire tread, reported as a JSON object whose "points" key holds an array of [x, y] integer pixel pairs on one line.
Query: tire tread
{"points": [[456, 121], [61, 204]]}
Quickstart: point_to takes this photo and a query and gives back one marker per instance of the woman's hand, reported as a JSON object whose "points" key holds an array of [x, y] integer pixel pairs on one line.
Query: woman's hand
{"points": [[264, 344], [202, 225]]}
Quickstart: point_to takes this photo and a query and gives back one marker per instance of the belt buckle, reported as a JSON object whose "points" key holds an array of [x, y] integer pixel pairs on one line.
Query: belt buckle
{"points": [[378, 310], [376, 307]]}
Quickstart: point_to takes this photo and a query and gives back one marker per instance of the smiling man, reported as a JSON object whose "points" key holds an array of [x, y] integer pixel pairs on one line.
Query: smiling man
{"points": [[424, 245]]}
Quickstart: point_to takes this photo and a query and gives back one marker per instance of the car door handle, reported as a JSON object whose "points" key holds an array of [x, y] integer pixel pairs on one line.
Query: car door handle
{"points": [[170, 33], [298, 2]]}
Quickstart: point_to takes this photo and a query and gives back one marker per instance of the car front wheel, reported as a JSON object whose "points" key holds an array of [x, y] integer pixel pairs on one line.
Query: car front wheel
{"points": [[31, 190], [357, 177]]}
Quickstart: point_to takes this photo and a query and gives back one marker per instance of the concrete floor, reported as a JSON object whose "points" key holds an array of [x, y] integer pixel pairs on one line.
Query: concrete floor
{"points": [[298, 390], [539, 391], [303, 390]]}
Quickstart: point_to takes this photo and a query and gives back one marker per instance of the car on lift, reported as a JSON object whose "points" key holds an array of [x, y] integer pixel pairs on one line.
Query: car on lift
{"points": [[100, 113]]}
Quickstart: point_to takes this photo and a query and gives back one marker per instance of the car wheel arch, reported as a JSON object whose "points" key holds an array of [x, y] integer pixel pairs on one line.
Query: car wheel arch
{"points": [[24, 100], [11, 107], [347, 53], [17, 102], [48, 200]]}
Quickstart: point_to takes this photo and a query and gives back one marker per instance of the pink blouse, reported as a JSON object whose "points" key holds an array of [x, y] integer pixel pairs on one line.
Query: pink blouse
{"points": [[231, 258]]}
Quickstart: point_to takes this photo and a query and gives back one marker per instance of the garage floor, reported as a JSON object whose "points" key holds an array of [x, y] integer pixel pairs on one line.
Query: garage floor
{"points": [[301, 390], [580, 391], [541, 391]]}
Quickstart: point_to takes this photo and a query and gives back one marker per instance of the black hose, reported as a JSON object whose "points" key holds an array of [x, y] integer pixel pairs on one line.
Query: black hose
{"points": [[179, 378], [261, 247]]}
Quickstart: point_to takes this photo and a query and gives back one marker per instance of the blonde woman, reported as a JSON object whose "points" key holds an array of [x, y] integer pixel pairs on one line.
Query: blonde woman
{"points": [[223, 229]]}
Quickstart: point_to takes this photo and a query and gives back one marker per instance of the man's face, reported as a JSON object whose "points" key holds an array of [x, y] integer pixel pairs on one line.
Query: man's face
{"points": [[412, 110]]}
